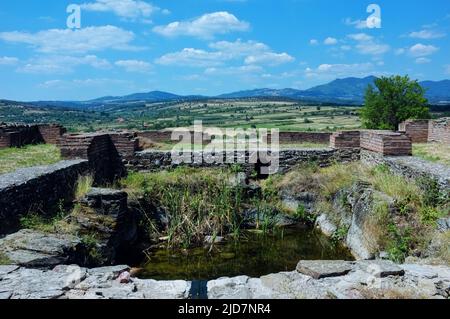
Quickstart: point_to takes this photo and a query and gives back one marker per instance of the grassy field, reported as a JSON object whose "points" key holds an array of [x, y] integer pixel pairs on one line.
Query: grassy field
{"points": [[31, 155], [434, 152], [286, 116]]}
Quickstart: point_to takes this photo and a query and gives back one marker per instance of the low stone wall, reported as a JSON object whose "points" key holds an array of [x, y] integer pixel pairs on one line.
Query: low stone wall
{"points": [[416, 130], [386, 143], [346, 139], [101, 152], [303, 137], [439, 131], [37, 189], [152, 160], [412, 168]]}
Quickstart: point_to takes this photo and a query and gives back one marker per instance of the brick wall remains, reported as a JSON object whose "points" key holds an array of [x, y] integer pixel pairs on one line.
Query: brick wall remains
{"points": [[99, 149], [416, 130], [51, 133], [386, 143], [345, 139], [37, 190]]}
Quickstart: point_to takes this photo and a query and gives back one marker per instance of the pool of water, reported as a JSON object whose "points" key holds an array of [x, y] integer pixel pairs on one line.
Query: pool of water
{"points": [[253, 255]]}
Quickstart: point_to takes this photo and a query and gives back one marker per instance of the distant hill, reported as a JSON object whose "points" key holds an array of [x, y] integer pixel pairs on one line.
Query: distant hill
{"points": [[348, 90], [341, 91]]}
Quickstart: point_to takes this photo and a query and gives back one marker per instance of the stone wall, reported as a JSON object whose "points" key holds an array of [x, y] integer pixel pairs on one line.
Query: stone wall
{"points": [[152, 160], [99, 149], [439, 131], [416, 130], [38, 190], [346, 139], [51, 133], [412, 167], [284, 137], [21, 135], [386, 143]]}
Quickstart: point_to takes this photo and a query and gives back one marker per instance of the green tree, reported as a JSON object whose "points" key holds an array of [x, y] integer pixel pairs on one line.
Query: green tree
{"points": [[394, 100]]}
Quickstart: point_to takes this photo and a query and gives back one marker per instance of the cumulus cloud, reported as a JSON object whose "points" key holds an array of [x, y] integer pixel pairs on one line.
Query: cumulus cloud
{"points": [[330, 41], [6, 60], [360, 37], [426, 34], [193, 57], [366, 44], [421, 50], [128, 9], [313, 42], [206, 26], [251, 52], [134, 66], [62, 64], [422, 60], [332, 71], [74, 41]]}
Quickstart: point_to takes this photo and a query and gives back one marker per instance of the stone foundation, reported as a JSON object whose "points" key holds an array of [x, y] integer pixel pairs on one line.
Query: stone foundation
{"points": [[152, 160], [38, 190]]}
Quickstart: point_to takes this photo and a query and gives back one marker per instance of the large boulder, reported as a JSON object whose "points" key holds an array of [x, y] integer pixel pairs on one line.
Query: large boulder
{"points": [[363, 201]]}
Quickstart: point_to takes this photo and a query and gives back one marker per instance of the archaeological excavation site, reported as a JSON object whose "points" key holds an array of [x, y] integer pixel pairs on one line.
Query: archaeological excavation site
{"points": [[354, 214]]}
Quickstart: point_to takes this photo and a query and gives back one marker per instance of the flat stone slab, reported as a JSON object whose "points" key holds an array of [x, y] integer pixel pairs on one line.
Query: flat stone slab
{"points": [[31, 248], [380, 268], [319, 269]]}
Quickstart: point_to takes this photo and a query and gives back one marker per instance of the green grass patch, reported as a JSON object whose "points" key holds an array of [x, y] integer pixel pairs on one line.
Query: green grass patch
{"points": [[12, 159]]}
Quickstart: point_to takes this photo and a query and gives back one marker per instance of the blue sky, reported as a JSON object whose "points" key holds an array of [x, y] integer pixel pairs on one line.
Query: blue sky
{"points": [[213, 46]]}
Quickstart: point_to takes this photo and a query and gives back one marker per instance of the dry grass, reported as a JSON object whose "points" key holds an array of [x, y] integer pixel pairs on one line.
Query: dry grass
{"points": [[434, 152], [12, 159], [84, 185]]}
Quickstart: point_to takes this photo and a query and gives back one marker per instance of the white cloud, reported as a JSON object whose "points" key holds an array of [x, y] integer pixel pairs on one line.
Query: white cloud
{"points": [[358, 24], [128, 9], [360, 37], [62, 64], [193, 57], [269, 58], [6, 60], [332, 71], [366, 44], [371, 48], [313, 42], [239, 48], [422, 60], [427, 34], [74, 41], [134, 66], [421, 50], [330, 41], [251, 52], [240, 70], [206, 26]]}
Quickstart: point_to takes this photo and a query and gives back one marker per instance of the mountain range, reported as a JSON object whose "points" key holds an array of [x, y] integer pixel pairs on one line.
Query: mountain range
{"points": [[342, 91]]}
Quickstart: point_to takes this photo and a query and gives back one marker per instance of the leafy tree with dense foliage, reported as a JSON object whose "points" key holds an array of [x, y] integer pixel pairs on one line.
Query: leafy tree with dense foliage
{"points": [[394, 100]]}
